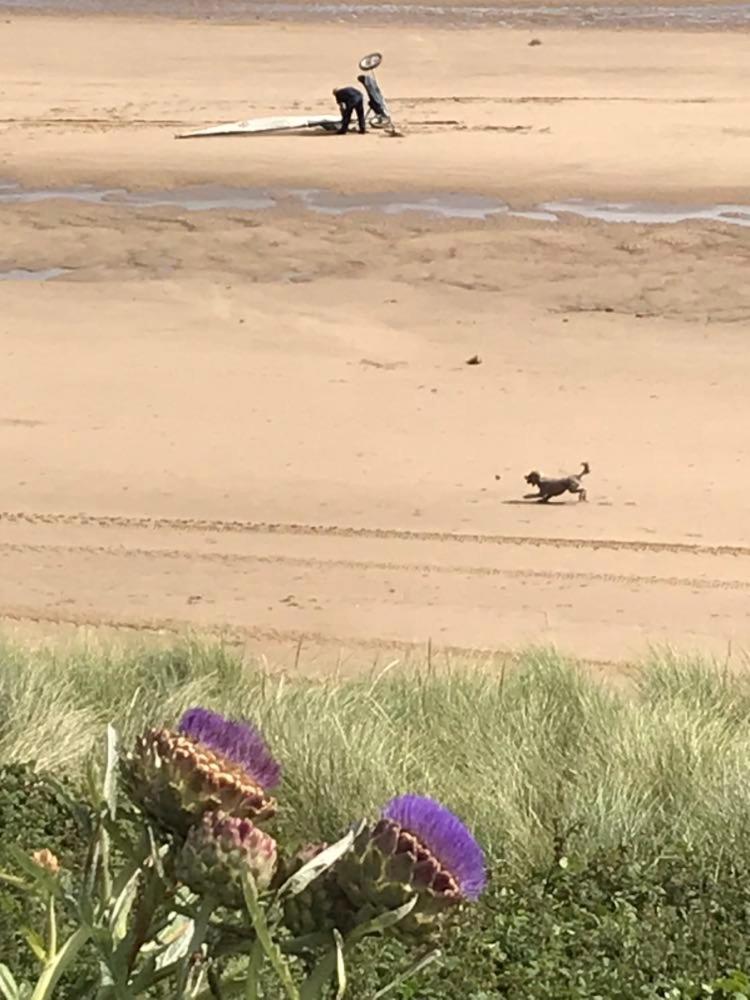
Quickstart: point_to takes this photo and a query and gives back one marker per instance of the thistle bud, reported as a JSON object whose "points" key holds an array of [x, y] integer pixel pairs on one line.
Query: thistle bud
{"points": [[46, 860], [219, 850]]}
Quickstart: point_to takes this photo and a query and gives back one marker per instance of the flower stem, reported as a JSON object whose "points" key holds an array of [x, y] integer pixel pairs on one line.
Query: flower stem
{"points": [[267, 943], [51, 929]]}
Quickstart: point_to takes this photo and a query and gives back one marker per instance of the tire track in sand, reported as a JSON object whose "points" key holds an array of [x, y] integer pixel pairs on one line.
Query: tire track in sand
{"points": [[342, 531], [308, 562], [336, 586]]}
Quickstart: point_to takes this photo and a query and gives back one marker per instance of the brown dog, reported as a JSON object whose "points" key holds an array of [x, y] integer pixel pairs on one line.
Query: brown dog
{"points": [[556, 487]]}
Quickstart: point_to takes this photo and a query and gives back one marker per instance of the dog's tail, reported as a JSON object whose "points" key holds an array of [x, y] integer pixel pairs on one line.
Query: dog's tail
{"points": [[585, 470]]}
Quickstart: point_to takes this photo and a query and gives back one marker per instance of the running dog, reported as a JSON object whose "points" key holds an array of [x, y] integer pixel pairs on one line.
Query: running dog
{"points": [[556, 487]]}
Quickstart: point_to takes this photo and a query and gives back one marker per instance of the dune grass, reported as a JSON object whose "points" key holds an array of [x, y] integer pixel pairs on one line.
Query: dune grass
{"points": [[527, 756], [615, 817]]}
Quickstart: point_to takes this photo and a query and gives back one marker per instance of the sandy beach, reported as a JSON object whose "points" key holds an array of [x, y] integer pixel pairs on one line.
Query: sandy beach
{"points": [[260, 421], [653, 115]]}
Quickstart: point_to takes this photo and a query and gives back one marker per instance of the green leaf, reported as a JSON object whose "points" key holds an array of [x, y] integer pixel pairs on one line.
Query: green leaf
{"points": [[8, 986], [317, 983], [89, 880], [118, 921], [156, 853], [340, 965], [320, 978], [198, 975], [253, 971], [230, 987], [305, 943], [15, 881], [382, 922], [109, 785], [35, 941], [317, 865], [414, 969], [45, 987], [109, 799], [146, 977], [51, 929], [735, 984], [177, 937], [190, 974]]}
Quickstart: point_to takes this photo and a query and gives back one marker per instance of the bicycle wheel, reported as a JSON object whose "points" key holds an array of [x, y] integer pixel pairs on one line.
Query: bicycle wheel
{"points": [[370, 62]]}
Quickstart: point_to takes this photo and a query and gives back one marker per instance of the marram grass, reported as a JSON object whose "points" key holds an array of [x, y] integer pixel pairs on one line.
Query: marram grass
{"points": [[528, 757]]}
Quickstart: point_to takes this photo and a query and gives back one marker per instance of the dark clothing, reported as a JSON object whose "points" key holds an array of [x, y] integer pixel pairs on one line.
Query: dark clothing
{"points": [[349, 99]]}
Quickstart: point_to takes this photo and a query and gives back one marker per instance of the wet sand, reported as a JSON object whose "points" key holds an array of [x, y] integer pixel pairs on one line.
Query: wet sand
{"points": [[260, 421], [712, 15]]}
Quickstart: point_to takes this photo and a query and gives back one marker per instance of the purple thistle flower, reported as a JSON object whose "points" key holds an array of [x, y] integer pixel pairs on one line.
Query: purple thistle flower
{"points": [[445, 837], [239, 742]]}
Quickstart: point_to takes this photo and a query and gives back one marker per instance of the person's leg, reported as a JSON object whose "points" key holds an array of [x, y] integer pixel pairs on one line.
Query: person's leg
{"points": [[361, 115], [346, 118]]}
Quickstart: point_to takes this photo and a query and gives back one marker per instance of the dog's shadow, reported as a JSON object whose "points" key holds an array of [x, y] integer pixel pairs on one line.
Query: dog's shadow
{"points": [[549, 503]]}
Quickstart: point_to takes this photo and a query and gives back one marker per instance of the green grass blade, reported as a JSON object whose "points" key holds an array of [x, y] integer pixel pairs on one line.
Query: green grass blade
{"points": [[271, 949], [65, 957], [8, 986]]}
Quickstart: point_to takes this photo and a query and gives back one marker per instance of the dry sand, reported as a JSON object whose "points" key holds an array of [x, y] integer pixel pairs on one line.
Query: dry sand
{"points": [[262, 422]]}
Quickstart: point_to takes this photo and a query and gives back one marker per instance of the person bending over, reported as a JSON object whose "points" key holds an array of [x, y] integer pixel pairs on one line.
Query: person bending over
{"points": [[349, 100]]}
